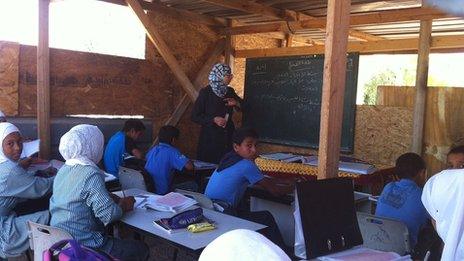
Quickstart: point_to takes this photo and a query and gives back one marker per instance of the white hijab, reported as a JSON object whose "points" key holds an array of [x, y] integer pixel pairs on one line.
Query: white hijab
{"points": [[6, 128], [82, 144], [443, 197], [243, 245]]}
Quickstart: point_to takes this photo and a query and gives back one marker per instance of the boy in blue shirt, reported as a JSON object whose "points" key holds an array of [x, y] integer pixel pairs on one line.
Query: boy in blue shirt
{"points": [[237, 171], [164, 159], [123, 144], [401, 200]]}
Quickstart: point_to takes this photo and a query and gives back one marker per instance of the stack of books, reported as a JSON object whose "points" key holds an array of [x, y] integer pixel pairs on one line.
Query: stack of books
{"points": [[352, 167]]}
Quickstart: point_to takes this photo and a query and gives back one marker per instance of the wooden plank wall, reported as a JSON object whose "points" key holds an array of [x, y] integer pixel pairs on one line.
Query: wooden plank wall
{"points": [[9, 66], [444, 123]]}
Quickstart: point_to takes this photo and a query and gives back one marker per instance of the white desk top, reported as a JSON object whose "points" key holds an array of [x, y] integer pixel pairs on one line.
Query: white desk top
{"points": [[201, 165], [143, 219]]}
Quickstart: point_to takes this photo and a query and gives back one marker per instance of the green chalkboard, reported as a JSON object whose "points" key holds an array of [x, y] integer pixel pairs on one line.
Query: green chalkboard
{"points": [[284, 97]]}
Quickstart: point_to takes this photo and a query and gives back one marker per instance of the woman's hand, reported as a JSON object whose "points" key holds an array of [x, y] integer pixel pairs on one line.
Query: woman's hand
{"points": [[25, 163], [115, 198], [231, 102], [127, 204], [220, 121]]}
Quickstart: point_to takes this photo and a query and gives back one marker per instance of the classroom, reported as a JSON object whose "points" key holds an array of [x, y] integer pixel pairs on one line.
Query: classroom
{"points": [[231, 129]]}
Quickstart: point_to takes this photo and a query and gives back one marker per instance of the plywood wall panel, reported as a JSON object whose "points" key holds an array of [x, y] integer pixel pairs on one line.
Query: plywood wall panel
{"points": [[87, 83], [444, 123], [9, 64], [382, 133]]}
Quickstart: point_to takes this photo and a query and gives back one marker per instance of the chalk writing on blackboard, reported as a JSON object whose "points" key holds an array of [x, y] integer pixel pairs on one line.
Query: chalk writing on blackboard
{"points": [[285, 95]]}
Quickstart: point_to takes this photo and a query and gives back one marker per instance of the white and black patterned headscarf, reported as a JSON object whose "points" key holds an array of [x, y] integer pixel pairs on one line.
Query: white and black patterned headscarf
{"points": [[216, 78], [83, 145]]}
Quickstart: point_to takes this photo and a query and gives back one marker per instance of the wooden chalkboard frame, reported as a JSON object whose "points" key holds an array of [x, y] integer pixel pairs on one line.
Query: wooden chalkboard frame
{"points": [[262, 79]]}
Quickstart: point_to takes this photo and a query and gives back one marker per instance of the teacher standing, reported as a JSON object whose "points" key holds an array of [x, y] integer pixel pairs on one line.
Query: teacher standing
{"points": [[213, 110]]}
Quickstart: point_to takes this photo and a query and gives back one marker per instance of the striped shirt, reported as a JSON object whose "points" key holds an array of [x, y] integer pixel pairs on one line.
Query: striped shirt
{"points": [[81, 205]]}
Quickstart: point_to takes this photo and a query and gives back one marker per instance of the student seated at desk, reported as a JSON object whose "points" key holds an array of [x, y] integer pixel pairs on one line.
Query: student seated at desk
{"points": [[16, 186], [455, 158], [164, 159], [81, 205], [123, 144], [235, 173], [401, 200]]}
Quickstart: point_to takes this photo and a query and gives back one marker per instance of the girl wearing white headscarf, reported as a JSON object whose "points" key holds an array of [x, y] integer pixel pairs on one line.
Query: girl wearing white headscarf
{"points": [[16, 186], [243, 245], [80, 204], [443, 197], [213, 110]]}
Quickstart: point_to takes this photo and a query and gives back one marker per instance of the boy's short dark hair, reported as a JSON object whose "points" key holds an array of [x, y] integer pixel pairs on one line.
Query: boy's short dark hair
{"points": [[133, 124], [409, 165], [457, 150], [241, 134], [167, 133]]}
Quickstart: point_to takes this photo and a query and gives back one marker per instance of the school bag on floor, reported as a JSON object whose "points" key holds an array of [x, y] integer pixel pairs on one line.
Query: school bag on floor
{"points": [[71, 250]]}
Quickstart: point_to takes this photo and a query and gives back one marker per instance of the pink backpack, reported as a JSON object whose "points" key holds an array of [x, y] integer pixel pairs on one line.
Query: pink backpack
{"points": [[62, 252]]}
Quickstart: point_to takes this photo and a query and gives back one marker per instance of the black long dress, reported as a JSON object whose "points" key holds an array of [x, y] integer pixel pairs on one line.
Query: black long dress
{"points": [[214, 141]]}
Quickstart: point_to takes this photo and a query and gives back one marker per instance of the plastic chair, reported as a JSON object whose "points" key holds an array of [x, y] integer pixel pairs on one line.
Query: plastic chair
{"points": [[203, 200], [42, 237], [131, 178], [384, 234]]}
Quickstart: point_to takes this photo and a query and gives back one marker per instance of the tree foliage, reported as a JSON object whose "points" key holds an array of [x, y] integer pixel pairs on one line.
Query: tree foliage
{"points": [[386, 77]]}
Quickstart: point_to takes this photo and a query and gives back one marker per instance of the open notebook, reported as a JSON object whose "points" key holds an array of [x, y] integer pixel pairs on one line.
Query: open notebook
{"points": [[171, 202]]}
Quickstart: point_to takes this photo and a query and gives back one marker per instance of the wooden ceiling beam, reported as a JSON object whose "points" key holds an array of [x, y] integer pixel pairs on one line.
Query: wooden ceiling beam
{"points": [[454, 42], [283, 14], [255, 8], [409, 14], [163, 49], [157, 6], [283, 36]]}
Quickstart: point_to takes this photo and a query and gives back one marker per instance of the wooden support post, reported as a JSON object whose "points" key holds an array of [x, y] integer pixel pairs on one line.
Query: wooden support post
{"points": [[333, 87], [163, 49], [43, 82], [425, 39], [205, 69], [229, 52]]}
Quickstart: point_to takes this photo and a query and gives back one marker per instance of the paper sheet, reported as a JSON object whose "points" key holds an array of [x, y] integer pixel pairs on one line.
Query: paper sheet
{"points": [[30, 148]]}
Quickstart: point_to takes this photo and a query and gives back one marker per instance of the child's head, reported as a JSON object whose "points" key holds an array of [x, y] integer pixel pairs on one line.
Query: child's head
{"points": [[455, 158], [12, 143], [410, 166], [245, 140], [134, 128], [167, 134]]}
